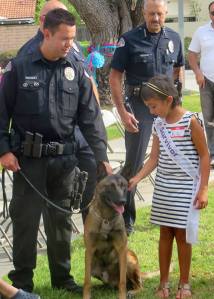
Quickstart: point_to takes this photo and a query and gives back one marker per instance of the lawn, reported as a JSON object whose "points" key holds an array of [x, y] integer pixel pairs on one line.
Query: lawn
{"points": [[145, 243], [191, 102]]}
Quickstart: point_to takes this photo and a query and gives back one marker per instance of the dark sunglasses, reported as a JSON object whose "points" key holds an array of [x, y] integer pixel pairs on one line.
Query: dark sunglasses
{"points": [[212, 13]]}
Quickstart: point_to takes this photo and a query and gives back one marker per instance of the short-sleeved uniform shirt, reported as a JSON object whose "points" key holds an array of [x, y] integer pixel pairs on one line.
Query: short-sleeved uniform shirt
{"points": [[142, 54], [203, 42]]}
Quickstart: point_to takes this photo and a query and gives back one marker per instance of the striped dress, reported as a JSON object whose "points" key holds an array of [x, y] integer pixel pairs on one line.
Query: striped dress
{"points": [[173, 187]]}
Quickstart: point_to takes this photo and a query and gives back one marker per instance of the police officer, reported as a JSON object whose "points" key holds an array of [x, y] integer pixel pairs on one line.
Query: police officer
{"points": [[143, 52], [85, 156], [45, 94]]}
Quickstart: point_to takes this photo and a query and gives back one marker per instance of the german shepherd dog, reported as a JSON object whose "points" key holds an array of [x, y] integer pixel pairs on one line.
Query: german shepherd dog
{"points": [[107, 256]]}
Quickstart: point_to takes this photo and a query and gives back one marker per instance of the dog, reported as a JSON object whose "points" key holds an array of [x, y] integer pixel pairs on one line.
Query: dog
{"points": [[107, 256]]}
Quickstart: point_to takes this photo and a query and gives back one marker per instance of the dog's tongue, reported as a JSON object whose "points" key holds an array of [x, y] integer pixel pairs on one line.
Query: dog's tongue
{"points": [[119, 209]]}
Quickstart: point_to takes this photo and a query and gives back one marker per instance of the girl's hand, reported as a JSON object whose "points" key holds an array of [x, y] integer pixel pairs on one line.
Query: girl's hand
{"points": [[133, 182], [201, 200]]}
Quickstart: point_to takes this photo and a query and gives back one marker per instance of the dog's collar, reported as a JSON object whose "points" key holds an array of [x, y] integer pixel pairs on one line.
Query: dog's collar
{"points": [[106, 225]]}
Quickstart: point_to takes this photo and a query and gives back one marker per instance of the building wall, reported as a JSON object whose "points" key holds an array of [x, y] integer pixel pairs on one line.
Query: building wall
{"points": [[14, 36], [189, 27], [202, 16]]}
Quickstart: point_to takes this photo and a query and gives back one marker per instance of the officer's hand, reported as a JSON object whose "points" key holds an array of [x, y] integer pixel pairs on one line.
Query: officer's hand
{"points": [[107, 167], [10, 162], [200, 79], [130, 122]]}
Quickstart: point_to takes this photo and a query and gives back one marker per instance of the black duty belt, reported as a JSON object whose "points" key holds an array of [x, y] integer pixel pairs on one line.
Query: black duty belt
{"points": [[48, 149], [57, 148]]}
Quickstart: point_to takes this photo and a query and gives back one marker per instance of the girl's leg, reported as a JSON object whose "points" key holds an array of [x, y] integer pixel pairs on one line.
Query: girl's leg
{"points": [[165, 251], [184, 254], [165, 254], [184, 258]]}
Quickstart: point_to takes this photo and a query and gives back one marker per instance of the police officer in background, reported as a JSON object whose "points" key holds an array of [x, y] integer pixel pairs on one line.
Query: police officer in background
{"points": [[143, 52], [46, 93], [85, 156]]}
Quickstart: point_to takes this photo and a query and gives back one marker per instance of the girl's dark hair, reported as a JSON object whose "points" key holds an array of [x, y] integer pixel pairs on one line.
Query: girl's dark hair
{"points": [[160, 87], [56, 17], [211, 3]]}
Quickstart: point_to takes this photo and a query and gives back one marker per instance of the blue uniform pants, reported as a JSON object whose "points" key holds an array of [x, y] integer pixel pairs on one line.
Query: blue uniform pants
{"points": [[136, 146], [53, 177]]}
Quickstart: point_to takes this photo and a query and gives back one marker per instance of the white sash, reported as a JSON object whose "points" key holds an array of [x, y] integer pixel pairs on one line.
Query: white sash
{"points": [[184, 163]]}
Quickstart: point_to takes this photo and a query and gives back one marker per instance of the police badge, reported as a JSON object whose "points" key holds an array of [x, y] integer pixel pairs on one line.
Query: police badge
{"points": [[69, 73], [171, 46]]}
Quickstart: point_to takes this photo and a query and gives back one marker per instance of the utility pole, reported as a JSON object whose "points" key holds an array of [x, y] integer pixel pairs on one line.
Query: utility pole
{"points": [[181, 20]]}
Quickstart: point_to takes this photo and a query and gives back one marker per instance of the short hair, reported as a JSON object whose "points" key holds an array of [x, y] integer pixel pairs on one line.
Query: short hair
{"points": [[56, 17], [160, 87], [211, 3], [146, 2]]}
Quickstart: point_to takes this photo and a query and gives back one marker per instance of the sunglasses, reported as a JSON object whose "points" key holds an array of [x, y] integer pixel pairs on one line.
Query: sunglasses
{"points": [[212, 13]]}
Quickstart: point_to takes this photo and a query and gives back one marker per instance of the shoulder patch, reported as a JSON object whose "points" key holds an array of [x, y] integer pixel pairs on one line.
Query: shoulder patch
{"points": [[121, 43], [8, 67], [75, 47]]}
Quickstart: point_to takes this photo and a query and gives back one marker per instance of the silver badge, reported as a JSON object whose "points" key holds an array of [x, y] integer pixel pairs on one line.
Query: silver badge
{"points": [[69, 73], [171, 46], [121, 43]]}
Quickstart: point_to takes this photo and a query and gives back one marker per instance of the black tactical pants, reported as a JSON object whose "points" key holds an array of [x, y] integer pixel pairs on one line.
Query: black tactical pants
{"points": [[136, 146], [53, 177]]}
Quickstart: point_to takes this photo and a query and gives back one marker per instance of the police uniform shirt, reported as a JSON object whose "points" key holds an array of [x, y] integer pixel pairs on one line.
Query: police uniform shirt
{"points": [[49, 98], [142, 54]]}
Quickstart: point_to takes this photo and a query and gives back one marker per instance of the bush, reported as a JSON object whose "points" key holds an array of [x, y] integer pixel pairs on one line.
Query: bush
{"points": [[5, 57]]}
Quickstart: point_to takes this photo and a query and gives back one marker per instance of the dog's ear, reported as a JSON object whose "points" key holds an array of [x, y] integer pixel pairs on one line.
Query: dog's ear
{"points": [[126, 171], [101, 171]]}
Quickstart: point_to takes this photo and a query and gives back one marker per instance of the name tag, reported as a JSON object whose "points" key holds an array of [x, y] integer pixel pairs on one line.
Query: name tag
{"points": [[177, 132]]}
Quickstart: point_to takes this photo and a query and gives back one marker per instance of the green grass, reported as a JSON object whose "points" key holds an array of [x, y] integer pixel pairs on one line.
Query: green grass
{"points": [[145, 243], [113, 133], [191, 102]]}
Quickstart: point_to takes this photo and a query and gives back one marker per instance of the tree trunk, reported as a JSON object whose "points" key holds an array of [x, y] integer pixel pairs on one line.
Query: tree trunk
{"points": [[106, 20]]}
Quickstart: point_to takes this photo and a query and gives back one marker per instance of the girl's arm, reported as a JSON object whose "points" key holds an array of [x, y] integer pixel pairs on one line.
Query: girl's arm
{"points": [[149, 166], [198, 138]]}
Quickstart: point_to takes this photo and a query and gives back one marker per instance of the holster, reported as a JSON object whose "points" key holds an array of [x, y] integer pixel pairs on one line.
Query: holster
{"points": [[132, 91]]}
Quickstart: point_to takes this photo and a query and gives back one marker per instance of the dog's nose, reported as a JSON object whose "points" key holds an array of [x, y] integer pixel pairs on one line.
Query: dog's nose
{"points": [[122, 200]]}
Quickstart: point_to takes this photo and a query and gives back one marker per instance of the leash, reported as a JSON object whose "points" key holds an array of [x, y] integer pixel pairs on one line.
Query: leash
{"points": [[79, 187], [4, 194]]}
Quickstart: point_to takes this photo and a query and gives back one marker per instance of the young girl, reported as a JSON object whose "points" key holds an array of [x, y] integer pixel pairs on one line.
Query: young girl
{"points": [[180, 153]]}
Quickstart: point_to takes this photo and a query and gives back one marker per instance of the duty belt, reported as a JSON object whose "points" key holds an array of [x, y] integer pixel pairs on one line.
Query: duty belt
{"points": [[34, 147], [57, 148], [49, 149]]}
